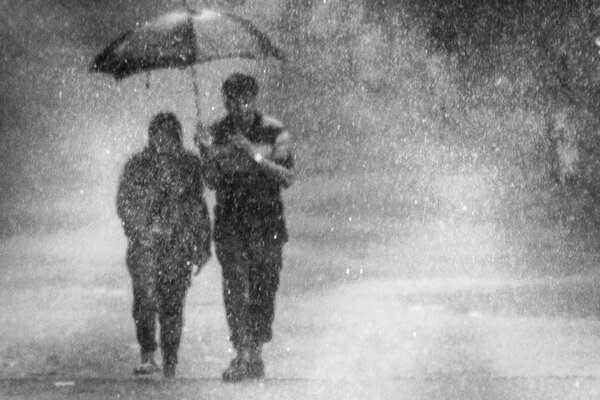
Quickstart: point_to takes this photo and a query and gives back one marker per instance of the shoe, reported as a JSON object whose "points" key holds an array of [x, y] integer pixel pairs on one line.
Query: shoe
{"points": [[241, 368], [256, 365], [256, 369], [237, 370], [147, 368], [169, 371], [148, 365]]}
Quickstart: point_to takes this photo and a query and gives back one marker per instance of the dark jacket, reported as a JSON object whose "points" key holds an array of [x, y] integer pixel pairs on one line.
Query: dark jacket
{"points": [[160, 202]]}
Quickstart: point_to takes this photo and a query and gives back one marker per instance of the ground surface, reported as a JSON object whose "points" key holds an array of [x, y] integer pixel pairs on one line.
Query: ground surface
{"points": [[391, 290]]}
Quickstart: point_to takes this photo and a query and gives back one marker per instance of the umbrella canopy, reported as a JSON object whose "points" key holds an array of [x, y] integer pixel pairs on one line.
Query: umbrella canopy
{"points": [[182, 38]]}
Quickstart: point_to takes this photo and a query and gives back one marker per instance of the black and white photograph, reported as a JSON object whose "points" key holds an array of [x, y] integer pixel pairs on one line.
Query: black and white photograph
{"points": [[300, 199]]}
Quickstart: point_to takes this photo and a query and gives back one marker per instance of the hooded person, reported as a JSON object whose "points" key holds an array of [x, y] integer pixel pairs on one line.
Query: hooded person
{"points": [[161, 205]]}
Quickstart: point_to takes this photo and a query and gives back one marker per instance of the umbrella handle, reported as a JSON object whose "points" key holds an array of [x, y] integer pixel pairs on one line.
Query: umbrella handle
{"points": [[193, 73], [196, 92]]}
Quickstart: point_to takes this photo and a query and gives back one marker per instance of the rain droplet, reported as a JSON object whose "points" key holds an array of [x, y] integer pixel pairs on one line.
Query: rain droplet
{"points": [[64, 383]]}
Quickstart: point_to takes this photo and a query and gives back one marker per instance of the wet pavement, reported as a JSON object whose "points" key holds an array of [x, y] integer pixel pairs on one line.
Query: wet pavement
{"points": [[439, 310]]}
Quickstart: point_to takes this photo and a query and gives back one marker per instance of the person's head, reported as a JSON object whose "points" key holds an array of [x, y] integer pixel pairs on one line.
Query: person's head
{"points": [[164, 133], [239, 96]]}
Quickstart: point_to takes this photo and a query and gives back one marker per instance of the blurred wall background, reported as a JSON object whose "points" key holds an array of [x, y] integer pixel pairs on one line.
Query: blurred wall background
{"points": [[369, 85]]}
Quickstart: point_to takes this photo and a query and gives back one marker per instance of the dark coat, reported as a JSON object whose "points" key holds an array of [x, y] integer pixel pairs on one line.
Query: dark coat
{"points": [[160, 203]]}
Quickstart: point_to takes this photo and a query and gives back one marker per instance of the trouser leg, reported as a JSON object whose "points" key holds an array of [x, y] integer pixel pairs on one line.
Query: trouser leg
{"points": [[234, 265], [142, 268], [263, 284], [171, 304]]}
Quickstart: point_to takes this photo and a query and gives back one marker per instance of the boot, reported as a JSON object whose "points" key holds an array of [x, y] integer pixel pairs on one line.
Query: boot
{"points": [[238, 368], [169, 358], [147, 365], [248, 364], [256, 368], [169, 371]]}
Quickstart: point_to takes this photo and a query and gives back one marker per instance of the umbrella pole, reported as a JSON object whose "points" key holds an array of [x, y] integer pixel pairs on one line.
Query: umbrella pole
{"points": [[196, 91], [199, 125], [194, 77]]}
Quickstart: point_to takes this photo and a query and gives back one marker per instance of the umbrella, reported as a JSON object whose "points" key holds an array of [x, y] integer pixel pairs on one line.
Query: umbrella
{"points": [[183, 38]]}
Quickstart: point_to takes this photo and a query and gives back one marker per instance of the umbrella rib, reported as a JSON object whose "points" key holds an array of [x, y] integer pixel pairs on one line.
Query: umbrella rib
{"points": [[264, 42], [99, 63]]}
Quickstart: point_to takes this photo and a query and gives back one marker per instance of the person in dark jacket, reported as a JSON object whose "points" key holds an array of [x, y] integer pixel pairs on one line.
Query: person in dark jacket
{"points": [[165, 217], [247, 163]]}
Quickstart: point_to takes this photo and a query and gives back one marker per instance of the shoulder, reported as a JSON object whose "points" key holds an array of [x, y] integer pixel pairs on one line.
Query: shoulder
{"points": [[219, 124], [137, 170], [277, 128], [137, 161], [189, 156], [219, 129], [274, 129], [268, 122], [190, 162]]}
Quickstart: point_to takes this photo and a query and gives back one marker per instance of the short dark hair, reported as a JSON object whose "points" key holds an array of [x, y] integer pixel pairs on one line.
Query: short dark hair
{"points": [[165, 123], [238, 84]]}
